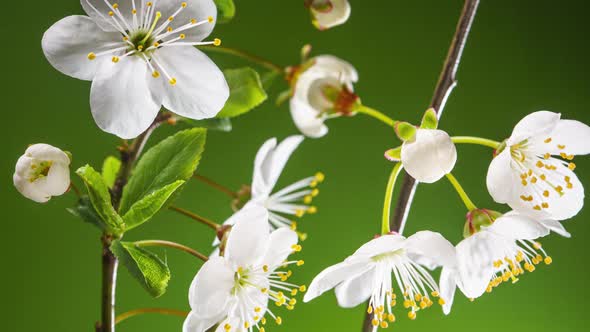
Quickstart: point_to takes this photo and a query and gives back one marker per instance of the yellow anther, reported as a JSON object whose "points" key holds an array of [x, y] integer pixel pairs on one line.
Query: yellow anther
{"points": [[300, 262], [315, 192], [193, 21], [279, 320], [559, 189], [393, 303], [184, 4], [293, 225], [294, 292], [375, 322], [125, 38], [384, 324], [547, 155], [257, 309], [265, 268], [434, 294], [370, 309], [155, 74], [533, 180], [149, 4], [537, 207], [134, 11], [256, 318], [543, 177], [524, 183], [548, 140], [391, 318], [423, 304], [299, 213], [216, 42], [227, 327], [171, 18], [569, 185], [182, 36], [210, 19], [540, 164], [263, 321], [169, 29], [561, 147], [302, 288], [307, 199], [441, 301], [172, 81], [412, 315], [156, 44], [546, 193], [91, 56], [548, 260], [545, 205], [111, 14], [246, 325], [407, 304], [571, 166], [115, 59], [523, 176], [264, 290], [115, 5], [312, 210], [261, 329], [140, 48], [418, 297], [296, 247], [292, 302]]}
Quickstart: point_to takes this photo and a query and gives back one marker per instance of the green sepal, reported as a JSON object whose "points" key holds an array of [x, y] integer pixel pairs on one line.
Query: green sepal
{"points": [[175, 158], [85, 211], [283, 97], [394, 154], [429, 120], [144, 209], [246, 92], [147, 268], [226, 10], [405, 131], [477, 219], [110, 170], [101, 198]]}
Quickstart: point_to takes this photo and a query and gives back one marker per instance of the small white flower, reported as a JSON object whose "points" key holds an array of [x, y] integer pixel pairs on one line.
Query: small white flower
{"points": [[370, 272], [534, 172], [497, 253], [328, 13], [429, 156], [323, 90], [234, 290], [42, 172], [294, 200], [139, 56]]}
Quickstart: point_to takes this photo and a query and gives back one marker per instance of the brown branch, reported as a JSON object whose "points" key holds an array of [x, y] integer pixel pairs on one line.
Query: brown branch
{"points": [[216, 185], [446, 83], [195, 217], [129, 155]]}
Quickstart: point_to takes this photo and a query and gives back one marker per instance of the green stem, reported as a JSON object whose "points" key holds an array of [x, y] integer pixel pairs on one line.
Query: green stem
{"points": [[375, 114], [173, 245], [468, 203], [389, 197], [244, 55], [196, 217], [161, 311], [476, 140]]}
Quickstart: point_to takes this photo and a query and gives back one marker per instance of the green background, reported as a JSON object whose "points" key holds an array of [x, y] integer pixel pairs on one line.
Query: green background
{"points": [[522, 56]]}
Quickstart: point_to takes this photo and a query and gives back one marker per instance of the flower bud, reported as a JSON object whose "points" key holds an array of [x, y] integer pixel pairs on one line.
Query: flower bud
{"points": [[328, 13], [42, 172], [429, 156], [477, 219]]}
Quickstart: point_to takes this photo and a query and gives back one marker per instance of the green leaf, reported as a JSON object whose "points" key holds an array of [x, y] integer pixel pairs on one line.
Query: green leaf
{"points": [[149, 205], [226, 10], [100, 198], [219, 124], [85, 211], [246, 92], [175, 158], [151, 272], [110, 170]]}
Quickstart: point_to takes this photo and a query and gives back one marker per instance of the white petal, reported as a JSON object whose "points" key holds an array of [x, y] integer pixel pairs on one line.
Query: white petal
{"points": [[475, 259], [356, 290], [534, 124], [430, 249], [338, 14], [307, 119], [332, 276], [502, 179], [47, 152], [277, 159], [57, 181], [120, 98], [67, 43], [199, 10], [430, 156], [333, 66], [380, 245], [98, 10], [260, 188], [280, 247], [210, 290], [518, 226], [555, 226], [448, 285], [193, 323], [248, 239], [200, 91], [575, 135], [23, 185]]}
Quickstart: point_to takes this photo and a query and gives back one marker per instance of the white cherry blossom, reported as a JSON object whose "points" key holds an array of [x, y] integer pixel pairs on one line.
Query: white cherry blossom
{"points": [[327, 14], [370, 274], [234, 290], [429, 156], [42, 172], [534, 172], [140, 55], [496, 254]]}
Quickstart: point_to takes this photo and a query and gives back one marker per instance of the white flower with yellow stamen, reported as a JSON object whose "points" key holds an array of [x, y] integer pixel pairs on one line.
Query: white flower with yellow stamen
{"points": [[234, 290], [42, 172], [370, 271], [534, 172], [327, 14], [322, 89], [496, 254], [140, 55]]}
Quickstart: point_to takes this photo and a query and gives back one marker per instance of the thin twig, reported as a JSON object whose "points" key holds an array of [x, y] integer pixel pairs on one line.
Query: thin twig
{"points": [[216, 185], [161, 311], [446, 83], [195, 216], [173, 245], [245, 55]]}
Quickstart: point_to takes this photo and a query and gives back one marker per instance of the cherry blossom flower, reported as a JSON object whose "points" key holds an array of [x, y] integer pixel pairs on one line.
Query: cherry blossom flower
{"points": [[327, 14]]}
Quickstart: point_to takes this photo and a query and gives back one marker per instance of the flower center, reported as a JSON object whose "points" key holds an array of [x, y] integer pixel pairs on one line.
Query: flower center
{"points": [[40, 170]]}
